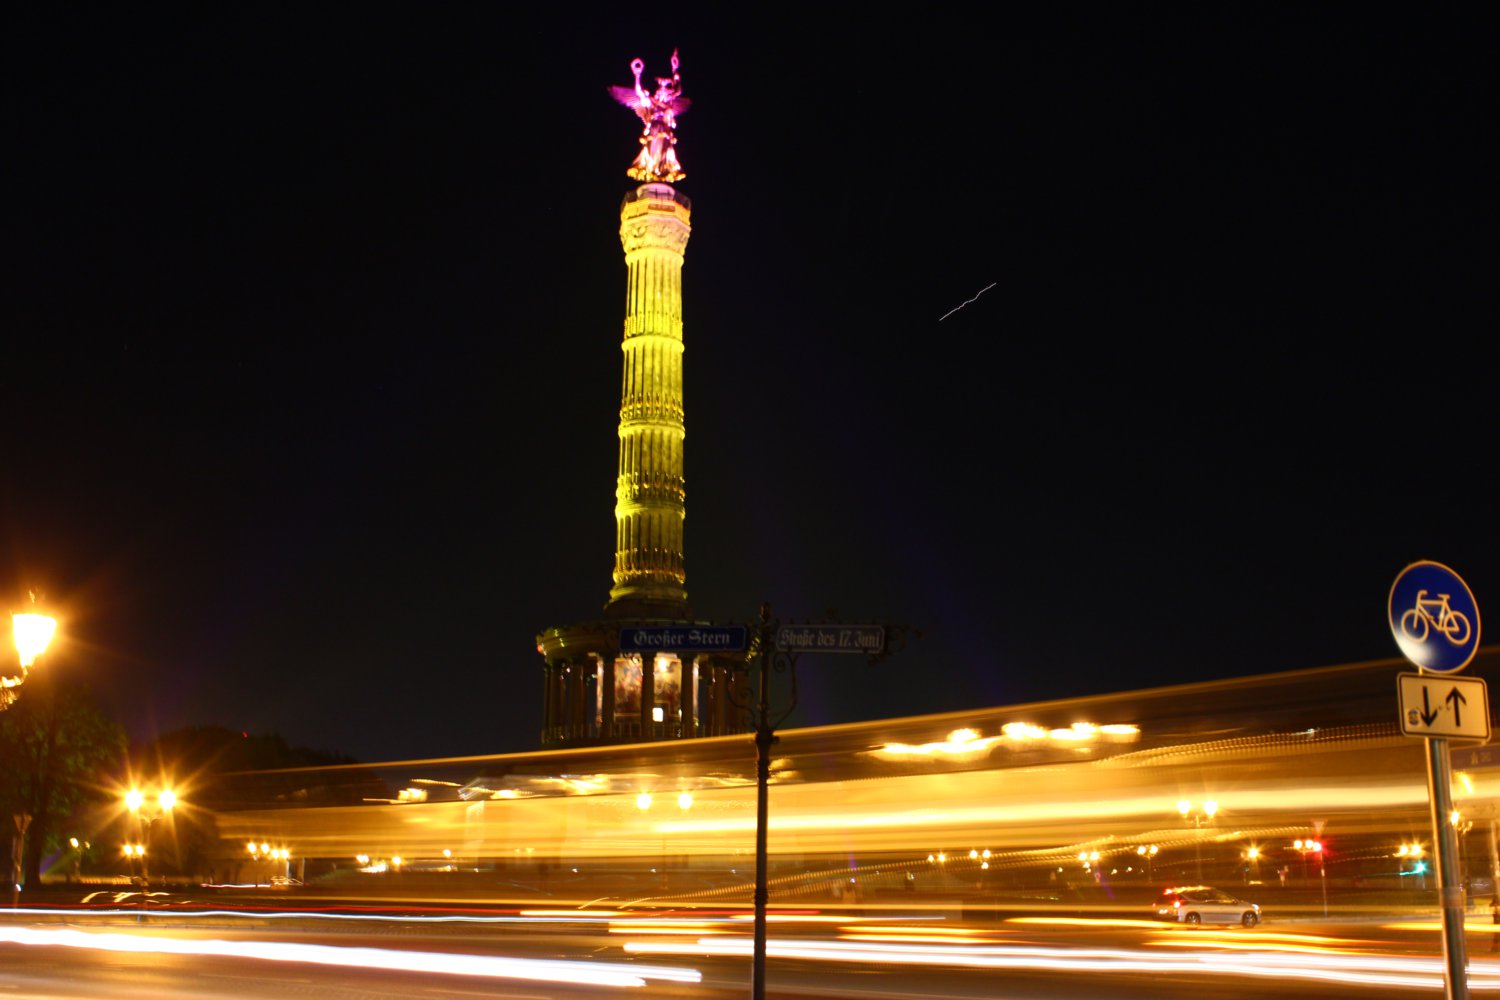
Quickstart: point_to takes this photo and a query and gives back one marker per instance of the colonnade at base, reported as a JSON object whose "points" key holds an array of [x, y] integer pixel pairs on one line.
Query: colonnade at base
{"points": [[596, 694]]}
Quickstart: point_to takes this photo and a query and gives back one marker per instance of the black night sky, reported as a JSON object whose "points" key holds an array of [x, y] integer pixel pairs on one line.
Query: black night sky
{"points": [[312, 321]]}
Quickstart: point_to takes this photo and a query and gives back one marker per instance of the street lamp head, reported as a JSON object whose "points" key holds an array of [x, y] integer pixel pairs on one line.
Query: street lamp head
{"points": [[32, 632], [137, 802], [1184, 806]]}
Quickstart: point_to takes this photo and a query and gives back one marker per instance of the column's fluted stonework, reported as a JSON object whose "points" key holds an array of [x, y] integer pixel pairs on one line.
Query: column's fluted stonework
{"points": [[649, 575]]}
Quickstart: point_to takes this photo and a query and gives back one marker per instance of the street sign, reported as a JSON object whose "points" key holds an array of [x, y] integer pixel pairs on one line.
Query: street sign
{"points": [[866, 639], [1434, 617], [1436, 707], [1481, 758], [684, 639]]}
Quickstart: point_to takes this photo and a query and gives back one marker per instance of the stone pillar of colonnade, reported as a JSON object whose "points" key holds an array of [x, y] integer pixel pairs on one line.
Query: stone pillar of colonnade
{"points": [[687, 705], [580, 668], [607, 697], [648, 696]]}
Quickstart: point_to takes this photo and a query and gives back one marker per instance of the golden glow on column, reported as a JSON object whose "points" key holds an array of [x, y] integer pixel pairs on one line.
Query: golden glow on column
{"points": [[649, 493]]}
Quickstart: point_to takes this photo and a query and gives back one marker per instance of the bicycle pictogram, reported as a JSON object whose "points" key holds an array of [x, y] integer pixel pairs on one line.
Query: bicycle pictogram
{"points": [[1433, 613]]}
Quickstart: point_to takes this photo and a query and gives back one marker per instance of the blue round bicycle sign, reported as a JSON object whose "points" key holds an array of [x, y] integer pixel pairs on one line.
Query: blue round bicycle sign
{"points": [[1434, 617]]}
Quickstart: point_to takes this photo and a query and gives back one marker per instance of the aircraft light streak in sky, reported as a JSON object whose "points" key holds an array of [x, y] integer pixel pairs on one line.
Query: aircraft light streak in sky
{"points": [[970, 302]]}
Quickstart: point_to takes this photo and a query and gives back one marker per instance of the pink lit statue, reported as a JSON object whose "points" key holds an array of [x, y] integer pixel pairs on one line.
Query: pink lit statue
{"points": [[657, 160]]}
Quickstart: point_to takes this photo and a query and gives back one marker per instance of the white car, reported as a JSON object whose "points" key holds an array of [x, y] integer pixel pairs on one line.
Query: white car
{"points": [[1203, 904]]}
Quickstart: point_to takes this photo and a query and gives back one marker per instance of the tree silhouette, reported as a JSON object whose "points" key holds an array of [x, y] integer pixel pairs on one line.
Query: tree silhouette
{"points": [[58, 748]]}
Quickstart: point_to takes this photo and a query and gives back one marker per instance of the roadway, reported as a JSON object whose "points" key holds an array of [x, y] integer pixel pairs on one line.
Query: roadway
{"points": [[365, 954]]}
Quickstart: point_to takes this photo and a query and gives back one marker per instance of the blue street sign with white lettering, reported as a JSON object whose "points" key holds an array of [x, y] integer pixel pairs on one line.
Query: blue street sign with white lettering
{"points": [[1481, 758], [866, 639], [1434, 617], [684, 639]]}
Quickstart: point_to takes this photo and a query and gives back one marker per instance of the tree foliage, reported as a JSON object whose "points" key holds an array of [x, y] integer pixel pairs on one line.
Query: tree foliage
{"points": [[59, 749]]}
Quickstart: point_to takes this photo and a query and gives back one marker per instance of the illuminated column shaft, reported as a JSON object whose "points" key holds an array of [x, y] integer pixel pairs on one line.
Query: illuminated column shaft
{"points": [[649, 510]]}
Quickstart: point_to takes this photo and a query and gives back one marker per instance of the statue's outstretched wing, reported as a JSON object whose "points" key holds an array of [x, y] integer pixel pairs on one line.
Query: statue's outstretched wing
{"points": [[680, 104], [632, 100]]}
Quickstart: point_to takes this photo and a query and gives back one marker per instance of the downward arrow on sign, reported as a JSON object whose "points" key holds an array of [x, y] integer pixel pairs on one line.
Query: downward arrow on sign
{"points": [[1428, 715]]}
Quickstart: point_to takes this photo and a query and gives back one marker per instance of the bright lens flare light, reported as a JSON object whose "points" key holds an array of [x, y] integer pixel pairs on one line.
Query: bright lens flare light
{"points": [[32, 632], [135, 799]]}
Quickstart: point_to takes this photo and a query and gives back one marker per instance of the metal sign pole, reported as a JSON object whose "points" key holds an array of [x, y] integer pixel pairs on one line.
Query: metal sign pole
{"points": [[765, 736], [1435, 621], [1450, 884], [777, 648]]}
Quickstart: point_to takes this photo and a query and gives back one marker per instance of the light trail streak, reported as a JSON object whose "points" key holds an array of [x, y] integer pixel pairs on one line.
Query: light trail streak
{"points": [[129, 910], [1371, 970], [452, 963], [956, 308], [1470, 927]]}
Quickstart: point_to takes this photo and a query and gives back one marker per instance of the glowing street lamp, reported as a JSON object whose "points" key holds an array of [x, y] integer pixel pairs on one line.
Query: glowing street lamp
{"points": [[264, 851], [1198, 816], [1314, 847], [644, 801], [32, 632], [1148, 852], [1252, 855], [147, 809], [135, 852], [79, 849]]}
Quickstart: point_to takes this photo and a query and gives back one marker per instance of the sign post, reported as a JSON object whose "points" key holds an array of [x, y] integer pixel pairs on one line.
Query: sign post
{"points": [[776, 649], [1435, 622]]}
